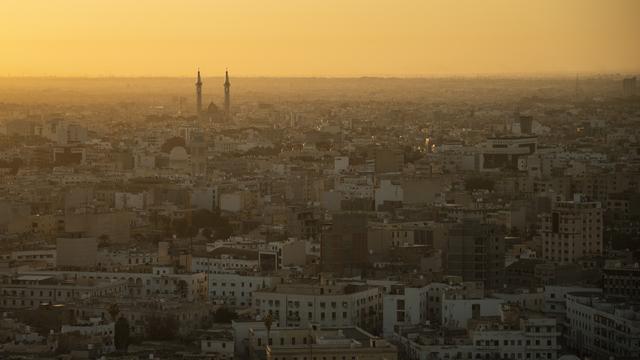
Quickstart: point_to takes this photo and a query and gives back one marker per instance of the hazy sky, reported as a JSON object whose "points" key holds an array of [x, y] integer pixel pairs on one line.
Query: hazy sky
{"points": [[318, 38]]}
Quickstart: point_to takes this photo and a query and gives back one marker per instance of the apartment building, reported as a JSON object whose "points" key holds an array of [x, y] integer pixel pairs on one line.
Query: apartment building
{"points": [[237, 289], [323, 302], [31, 290], [319, 342], [163, 281], [602, 328], [572, 230]]}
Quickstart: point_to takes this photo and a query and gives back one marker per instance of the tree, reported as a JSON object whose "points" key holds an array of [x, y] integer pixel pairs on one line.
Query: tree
{"points": [[212, 220], [224, 315], [162, 328], [104, 239], [113, 310], [268, 321], [121, 335]]}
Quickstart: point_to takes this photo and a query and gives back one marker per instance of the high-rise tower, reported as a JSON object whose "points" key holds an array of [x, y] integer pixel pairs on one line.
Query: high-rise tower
{"points": [[199, 95], [227, 95]]}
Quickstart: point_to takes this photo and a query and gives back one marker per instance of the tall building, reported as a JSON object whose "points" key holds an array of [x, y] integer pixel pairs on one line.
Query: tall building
{"points": [[571, 231], [476, 251], [629, 86], [621, 280], [344, 244], [227, 95], [388, 159], [199, 95]]}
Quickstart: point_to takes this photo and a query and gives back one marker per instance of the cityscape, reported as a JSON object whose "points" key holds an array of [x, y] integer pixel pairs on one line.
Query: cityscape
{"points": [[369, 216]]}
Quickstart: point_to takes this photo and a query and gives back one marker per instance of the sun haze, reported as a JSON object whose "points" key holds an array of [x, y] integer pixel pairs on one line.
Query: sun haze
{"points": [[318, 38]]}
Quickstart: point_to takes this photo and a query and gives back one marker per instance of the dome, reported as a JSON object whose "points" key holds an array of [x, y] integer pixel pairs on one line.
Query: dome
{"points": [[178, 153], [172, 143], [212, 108]]}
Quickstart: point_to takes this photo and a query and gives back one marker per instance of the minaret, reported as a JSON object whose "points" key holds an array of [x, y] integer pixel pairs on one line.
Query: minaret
{"points": [[227, 95], [199, 95]]}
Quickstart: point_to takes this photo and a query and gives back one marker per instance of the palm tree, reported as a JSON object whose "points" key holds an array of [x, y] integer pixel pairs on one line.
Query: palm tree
{"points": [[113, 310], [268, 321]]}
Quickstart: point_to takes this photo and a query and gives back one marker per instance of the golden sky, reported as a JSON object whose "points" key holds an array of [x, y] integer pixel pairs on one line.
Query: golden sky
{"points": [[318, 37]]}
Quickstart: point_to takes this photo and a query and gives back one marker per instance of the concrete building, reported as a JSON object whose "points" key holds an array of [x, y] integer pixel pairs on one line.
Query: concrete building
{"points": [[290, 252], [46, 256], [507, 153], [508, 335], [602, 328], [476, 252], [14, 217], [629, 86], [225, 260], [382, 236], [205, 198], [515, 336], [76, 252], [326, 303], [219, 343], [621, 280], [138, 312], [404, 305], [388, 160], [161, 282], [572, 230], [319, 342], [344, 246], [237, 289], [457, 312], [113, 227], [29, 291]]}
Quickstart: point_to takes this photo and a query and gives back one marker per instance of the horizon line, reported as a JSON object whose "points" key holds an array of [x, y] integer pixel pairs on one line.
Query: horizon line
{"points": [[507, 75]]}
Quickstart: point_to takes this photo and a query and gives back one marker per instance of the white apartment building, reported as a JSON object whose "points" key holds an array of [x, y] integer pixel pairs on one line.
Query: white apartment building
{"points": [[237, 289], [520, 338], [48, 256], [162, 282], [325, 303], [602, 328], [225, 260], [404, 305], [31, 290], [218, 342], [555, 298], [319, 342], [507, 336], [456, 312]]}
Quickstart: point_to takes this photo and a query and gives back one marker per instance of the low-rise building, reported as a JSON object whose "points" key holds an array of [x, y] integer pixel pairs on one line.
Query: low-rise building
{"points": [[32, 290], [237, 289], [404, 304], [511, 335], [161, 282], [319, 342], [323, 302]]}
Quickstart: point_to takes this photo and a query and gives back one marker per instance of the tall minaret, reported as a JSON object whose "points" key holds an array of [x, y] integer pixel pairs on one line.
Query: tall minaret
{"points": [[199, 95], [227, 95]]}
